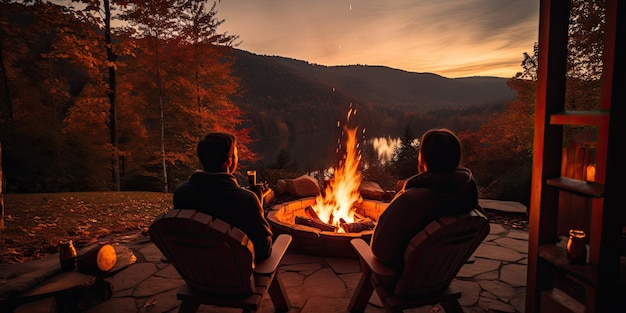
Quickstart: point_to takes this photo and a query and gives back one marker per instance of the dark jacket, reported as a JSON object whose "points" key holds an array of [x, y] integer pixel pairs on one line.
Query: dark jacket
{"points": [[219, 195], [424, 198]]}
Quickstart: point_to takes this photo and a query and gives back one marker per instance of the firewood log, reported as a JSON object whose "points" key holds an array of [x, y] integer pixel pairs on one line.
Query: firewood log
{"points": [[358, 217], [99, 259], [371, 190], [358, 226], [310, 212], [301, 220], [303, 186]]}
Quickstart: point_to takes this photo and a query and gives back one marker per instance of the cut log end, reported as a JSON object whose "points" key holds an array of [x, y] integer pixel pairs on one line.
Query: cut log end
{"points": [[99, 259]]}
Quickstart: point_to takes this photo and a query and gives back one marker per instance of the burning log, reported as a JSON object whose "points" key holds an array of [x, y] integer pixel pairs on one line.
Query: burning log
{"points": [[301, 220], [360, 217], [358, 226], [310, 212]]}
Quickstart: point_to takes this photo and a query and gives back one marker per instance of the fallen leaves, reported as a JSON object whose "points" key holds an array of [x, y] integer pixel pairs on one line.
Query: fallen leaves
{"points": [[517, 221], [36, 223]]}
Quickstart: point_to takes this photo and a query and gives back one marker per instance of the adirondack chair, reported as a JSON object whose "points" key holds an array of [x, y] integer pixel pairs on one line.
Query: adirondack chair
{"points": [[433, 259], [216, 262]]}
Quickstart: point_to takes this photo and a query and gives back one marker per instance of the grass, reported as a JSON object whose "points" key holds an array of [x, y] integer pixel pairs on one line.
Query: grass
{"points": [[35, 223]]}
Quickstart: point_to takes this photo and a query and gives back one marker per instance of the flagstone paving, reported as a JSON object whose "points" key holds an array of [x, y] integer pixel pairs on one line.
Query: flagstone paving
{"points": [[495, 282]]}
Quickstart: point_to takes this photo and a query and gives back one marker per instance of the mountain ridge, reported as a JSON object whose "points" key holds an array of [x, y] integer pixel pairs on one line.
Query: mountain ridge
{"points": [[303, 96], [429, 90]]}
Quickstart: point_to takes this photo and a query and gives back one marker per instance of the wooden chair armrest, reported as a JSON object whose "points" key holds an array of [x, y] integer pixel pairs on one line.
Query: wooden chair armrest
{"points": [[366, 255], [479, 211], [279, 247]]}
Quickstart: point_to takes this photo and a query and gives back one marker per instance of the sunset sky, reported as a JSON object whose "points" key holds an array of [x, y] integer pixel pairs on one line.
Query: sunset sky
{"points": [[452, 38]]}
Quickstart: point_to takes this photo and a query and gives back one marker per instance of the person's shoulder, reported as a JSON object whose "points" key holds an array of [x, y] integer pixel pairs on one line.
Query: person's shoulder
{"points": [[181, 188], [245, 191], [416, 192], [411, 197], [242, 194]]}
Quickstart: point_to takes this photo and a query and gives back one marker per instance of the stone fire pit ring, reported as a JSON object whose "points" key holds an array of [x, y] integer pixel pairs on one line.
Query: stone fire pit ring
{"points": [[313, 241]]}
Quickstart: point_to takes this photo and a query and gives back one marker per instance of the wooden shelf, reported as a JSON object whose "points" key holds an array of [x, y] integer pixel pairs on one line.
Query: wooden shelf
{"points": [[584, 274], [554, 284], [580, 118], [580, 187], [557, 301]]}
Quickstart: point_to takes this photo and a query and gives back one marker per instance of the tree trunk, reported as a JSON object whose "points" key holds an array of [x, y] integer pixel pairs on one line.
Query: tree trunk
{"points": [[111, 57], [161, 111], [163, 163]]}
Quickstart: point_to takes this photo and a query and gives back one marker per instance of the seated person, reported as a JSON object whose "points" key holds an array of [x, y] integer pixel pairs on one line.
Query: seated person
{"points": [[215, 191], [440, 188]]}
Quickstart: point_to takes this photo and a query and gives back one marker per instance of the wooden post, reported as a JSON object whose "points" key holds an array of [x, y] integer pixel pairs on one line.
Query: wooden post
{"points": [[1, 198]]}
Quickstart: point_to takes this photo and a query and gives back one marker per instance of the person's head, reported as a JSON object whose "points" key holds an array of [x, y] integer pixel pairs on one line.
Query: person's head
{"points": [[439, 151], [218, 153]]}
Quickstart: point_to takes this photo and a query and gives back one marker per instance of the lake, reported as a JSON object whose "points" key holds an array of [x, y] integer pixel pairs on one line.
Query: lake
{"points": [[316, 151]]}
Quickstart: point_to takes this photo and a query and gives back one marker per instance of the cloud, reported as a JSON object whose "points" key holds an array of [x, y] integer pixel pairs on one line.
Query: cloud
{"points": [[447, 37]]}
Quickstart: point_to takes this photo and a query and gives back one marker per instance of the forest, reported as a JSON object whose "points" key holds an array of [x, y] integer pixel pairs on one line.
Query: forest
{"points": [[91, 104]]}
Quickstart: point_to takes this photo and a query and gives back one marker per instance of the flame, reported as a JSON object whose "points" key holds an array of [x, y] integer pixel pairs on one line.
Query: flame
{"points": [[591, 172], [342, 192]]}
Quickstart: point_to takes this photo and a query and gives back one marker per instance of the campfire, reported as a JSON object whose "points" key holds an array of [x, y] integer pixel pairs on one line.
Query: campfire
{"points": [[334, 208], [325, 224]]}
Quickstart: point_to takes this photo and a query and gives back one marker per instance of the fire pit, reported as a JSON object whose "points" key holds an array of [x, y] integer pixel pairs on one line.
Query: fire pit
{"points": [[324, 225], [314, 241]]}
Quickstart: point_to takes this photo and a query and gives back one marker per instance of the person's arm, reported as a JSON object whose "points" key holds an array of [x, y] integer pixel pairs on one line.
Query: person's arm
{"points": [[405, 216], [386, 243], [260, 231]]}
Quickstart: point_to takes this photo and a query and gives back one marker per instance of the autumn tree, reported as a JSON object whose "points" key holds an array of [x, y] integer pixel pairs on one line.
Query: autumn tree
{"points": [[104, 10], [501, 151], [86, 150], [191, 78], [92, 47], [34, 95], [74, 90], [155, 21], [91, 51], [203, 50], [206, 57]]}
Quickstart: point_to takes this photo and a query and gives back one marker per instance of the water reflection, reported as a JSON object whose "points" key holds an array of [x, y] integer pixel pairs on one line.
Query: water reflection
{"points": [[315, 151], [309, 151], [384, 147]]}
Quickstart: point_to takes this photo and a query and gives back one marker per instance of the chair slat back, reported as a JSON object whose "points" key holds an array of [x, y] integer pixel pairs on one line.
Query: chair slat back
{"points": [[436, 254], [209, 254]]}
